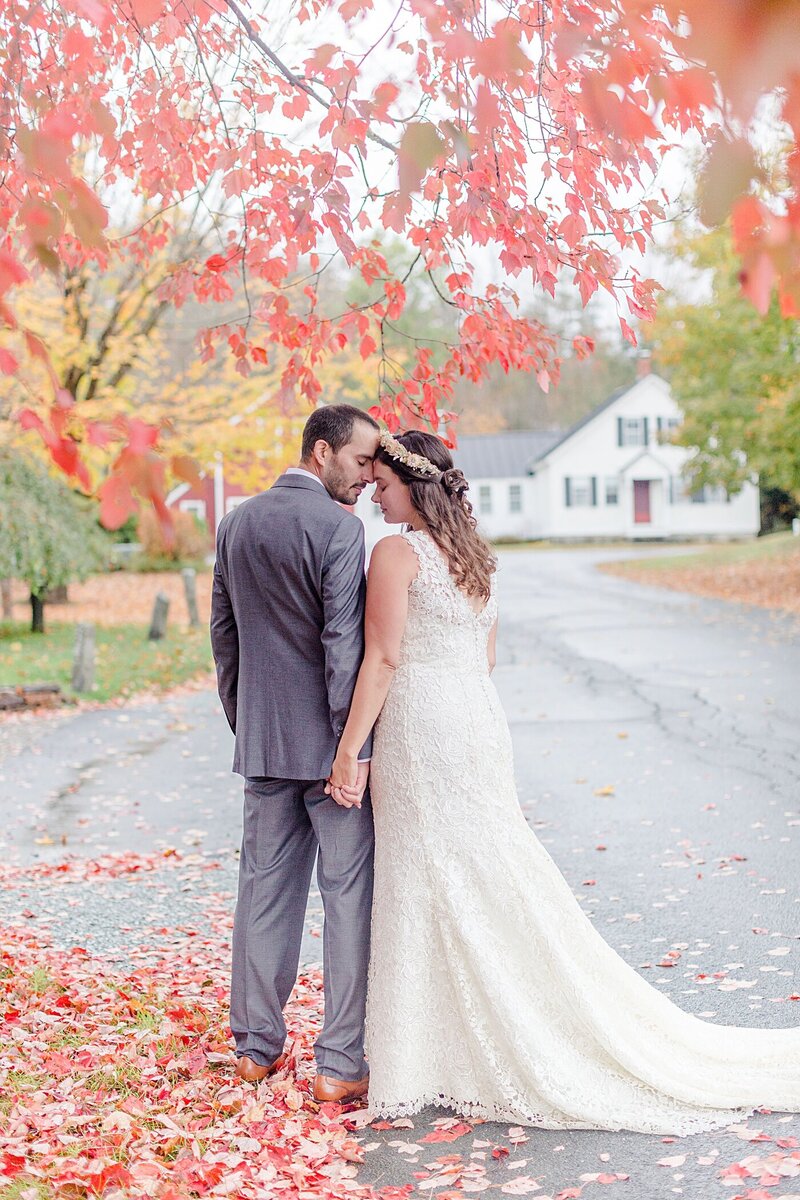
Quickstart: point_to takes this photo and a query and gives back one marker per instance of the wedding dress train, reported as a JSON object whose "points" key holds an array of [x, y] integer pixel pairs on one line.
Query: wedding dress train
{"points": [[490, 991]]}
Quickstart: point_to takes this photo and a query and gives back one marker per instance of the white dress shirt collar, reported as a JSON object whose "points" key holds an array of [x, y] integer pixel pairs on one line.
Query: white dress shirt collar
{"points": [[308, 474]]}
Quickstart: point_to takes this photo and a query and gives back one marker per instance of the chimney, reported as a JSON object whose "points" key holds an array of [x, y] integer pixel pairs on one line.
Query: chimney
{"points": [[644, 364]]}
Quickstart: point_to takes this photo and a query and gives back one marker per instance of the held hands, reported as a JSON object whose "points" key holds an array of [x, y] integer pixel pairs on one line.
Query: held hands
{"points": [[348, 780]]}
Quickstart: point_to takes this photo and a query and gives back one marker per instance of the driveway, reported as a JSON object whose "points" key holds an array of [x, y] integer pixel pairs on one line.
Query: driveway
{"points": [[658, 759]]}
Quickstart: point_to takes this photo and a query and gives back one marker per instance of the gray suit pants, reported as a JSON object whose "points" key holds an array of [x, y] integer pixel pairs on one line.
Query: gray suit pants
{"points": [[287, 823]]}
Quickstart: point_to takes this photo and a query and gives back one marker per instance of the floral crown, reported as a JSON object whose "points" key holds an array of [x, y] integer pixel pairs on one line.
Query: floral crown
{"points": [[414, 462]]}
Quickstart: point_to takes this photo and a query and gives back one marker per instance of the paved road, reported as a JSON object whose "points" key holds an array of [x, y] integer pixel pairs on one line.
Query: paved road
{"points": [[660, 727]]}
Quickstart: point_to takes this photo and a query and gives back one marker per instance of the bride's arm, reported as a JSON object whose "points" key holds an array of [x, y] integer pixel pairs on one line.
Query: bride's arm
{"points": [[492, 647], [392, 568]]}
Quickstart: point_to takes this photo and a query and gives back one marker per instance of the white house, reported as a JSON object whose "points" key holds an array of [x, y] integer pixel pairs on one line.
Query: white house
{"points": [[609, 476]]}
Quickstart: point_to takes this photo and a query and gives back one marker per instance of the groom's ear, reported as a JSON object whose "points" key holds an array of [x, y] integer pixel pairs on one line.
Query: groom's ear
{"points": [[320, 452]]}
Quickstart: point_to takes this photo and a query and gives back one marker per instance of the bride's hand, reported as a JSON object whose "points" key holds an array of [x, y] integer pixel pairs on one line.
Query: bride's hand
{"points": [[343, 783]]}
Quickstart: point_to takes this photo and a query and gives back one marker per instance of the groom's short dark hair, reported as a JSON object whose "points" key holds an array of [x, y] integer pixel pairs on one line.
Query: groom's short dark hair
{"points": [[333, 423]]}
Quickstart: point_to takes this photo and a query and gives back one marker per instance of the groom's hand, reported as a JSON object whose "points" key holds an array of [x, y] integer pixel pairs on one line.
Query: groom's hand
{"points": [[362, 778], [344, 798], [348, 781], [356, 794]]}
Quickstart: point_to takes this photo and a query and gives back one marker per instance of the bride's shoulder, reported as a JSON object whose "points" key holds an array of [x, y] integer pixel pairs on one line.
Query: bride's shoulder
{"points": [[394, 554]]}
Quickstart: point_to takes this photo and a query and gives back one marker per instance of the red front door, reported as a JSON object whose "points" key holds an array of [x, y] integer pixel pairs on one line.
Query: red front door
{"points": [[641, 501]]}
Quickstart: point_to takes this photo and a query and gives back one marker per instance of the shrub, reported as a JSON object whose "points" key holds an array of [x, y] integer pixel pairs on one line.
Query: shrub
{"points": [[48, 533]]}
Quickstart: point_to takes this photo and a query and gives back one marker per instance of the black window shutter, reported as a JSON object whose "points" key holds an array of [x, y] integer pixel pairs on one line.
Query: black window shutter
{"points": [[594, 491], [659, 424], [646, 432], [619, 431], [567, 491]]}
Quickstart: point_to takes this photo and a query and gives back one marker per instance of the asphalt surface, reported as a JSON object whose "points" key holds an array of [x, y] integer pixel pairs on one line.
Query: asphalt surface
{"points": [[657, 756]]}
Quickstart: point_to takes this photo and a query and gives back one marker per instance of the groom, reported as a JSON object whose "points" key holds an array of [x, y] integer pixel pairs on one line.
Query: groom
{"points": [[287, 619]]}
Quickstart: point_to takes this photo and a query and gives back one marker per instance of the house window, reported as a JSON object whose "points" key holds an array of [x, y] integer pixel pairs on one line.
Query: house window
{"points": [[668, 425], [234, 501], [710, 494], [678, 491], [632, 431], [515, 497], [580, 491], [612, 491], [196, 507], [681, 493], [485, 499]]}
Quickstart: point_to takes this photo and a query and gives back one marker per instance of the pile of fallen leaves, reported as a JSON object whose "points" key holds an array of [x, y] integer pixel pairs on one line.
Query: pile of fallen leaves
{"points": [[122, 598], [120, 1081], [772, 582]]}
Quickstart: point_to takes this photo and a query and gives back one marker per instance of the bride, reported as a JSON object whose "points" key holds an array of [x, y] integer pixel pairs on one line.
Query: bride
{"points": [[490, 991]]}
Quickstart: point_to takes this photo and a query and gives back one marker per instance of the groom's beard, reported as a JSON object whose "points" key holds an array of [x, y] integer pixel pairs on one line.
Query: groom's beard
{"points": [[340, 487]]}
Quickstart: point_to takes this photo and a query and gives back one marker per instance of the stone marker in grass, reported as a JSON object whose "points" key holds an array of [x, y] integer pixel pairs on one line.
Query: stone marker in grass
{"points": [[83, 661], [190, 587], [158, 623]]}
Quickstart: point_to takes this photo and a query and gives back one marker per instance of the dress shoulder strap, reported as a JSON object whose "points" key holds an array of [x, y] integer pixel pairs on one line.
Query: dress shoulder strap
{"points": [[425, 549], [421, 543]]}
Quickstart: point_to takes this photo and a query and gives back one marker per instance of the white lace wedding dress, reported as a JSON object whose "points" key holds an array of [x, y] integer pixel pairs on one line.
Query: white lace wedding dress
{"points": [[490, 992]]}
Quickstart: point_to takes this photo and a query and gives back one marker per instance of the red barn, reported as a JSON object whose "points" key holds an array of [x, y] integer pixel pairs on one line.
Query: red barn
{"points": [[212, 498]]}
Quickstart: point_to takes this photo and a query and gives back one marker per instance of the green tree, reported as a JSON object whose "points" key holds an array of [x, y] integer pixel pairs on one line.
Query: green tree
{"points": [[736, 374], [48, 534]]}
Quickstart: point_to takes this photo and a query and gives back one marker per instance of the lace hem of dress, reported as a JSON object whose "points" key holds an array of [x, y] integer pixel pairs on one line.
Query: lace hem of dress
{"points": [[684, 1125]]}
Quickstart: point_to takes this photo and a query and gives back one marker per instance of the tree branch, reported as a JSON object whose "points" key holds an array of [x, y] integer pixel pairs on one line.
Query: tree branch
{"points": [[288, 74]]}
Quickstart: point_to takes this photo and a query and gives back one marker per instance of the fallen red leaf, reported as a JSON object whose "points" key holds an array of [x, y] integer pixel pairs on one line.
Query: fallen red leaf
{"points": [[447, 1135]]}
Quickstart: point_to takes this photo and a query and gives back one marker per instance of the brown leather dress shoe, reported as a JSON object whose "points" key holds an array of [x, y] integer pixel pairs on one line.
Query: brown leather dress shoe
{"points": [[253, 1072], [328, 1090]]}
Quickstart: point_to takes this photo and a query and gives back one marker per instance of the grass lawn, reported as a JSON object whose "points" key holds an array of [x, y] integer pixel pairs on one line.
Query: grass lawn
{"points": [[126, 662], [773, 546], [764, 571]]}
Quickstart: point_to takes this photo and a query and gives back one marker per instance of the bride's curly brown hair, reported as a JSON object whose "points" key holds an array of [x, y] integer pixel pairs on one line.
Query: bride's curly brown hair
{"points": [[442, 503]]}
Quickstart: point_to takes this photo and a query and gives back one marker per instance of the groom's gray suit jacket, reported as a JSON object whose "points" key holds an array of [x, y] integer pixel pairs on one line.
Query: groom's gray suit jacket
{"points": [[287, 627]]}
